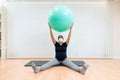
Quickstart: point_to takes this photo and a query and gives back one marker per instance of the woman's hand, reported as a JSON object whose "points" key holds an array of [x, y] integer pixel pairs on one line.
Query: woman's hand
{"points": [[69, 35], [49, 25], [51, 34], [71, 27]]}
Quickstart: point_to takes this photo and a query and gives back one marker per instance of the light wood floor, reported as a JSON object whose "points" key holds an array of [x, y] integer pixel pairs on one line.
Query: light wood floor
{"points": [[99, 69]]}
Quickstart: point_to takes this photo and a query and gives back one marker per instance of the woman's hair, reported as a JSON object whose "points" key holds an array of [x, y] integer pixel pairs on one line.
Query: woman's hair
{"points": [[60, 36]]}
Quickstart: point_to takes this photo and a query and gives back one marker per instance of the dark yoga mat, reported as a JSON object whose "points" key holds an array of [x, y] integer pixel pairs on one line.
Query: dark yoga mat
{"points": [[39, 63]]}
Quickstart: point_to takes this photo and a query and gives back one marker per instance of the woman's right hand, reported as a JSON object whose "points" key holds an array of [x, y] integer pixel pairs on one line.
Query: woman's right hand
{"points": [[51, 34], [49, 25]]}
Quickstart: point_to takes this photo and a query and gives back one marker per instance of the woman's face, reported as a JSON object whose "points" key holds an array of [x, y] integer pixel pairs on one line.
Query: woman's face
{"points": [[60, 38]]}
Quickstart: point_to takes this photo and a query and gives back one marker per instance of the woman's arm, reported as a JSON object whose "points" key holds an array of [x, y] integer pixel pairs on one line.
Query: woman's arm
{"points": [[69, 35], [51, 34]]}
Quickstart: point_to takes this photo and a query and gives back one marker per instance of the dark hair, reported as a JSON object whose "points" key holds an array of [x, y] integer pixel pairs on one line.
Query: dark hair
{"points": [[60, 36]]}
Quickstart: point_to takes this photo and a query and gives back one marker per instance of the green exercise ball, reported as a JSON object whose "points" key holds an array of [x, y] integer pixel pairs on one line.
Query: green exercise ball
{"points": [[61, 18]]}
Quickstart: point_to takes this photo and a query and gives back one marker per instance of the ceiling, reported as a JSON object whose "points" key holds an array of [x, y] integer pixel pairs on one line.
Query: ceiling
{"points": [[57, 0]]}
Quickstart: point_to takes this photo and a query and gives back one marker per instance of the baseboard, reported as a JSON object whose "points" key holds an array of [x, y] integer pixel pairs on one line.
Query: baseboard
{"points": [[69, 58], [116, 57]]}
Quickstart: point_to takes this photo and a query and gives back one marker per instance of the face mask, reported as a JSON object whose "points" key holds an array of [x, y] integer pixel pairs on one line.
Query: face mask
{"points": [[61, 39]]}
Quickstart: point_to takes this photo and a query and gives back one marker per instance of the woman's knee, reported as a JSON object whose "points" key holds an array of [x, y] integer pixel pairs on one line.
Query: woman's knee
{"points": [[54, 61]]}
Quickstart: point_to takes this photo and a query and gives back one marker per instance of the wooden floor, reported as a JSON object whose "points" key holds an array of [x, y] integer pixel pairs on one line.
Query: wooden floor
{"points": [[99, 69]]}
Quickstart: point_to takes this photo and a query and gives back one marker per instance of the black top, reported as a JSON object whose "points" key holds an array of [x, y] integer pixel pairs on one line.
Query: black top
{"points": [[60, 51]]}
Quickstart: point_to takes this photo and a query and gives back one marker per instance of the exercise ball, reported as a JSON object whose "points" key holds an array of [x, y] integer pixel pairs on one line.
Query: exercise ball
{"points": [[61, 18]]}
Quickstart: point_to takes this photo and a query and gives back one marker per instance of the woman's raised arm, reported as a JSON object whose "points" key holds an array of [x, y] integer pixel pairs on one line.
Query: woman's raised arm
{"points": [[51, 34]]}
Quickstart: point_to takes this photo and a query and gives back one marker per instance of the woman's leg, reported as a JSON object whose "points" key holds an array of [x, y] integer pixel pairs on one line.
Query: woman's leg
{"points": [[70, 64], [49, 64]]}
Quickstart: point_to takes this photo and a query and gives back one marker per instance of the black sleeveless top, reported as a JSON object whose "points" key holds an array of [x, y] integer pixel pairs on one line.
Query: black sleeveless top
{"points": [[60, 51]]}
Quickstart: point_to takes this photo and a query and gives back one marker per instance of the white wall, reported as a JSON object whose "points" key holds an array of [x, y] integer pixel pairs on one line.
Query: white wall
{"points": [[56, 0], [116, 29], [28, 32]]}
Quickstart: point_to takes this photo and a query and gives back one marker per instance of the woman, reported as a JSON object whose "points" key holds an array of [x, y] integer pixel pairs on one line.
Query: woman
{"points": [[60, 57]]}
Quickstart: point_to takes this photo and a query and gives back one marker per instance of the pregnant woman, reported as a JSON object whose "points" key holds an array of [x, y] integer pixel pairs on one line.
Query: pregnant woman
{"points": [[60, 56]]}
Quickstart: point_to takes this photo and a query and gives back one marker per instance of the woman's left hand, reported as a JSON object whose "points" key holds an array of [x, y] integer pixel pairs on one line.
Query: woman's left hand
{"points": [[71, 27]]}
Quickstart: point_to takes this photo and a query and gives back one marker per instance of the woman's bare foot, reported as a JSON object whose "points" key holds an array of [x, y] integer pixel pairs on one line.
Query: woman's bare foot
{"points": [[85, 66], [35, 69], [80, 70]]}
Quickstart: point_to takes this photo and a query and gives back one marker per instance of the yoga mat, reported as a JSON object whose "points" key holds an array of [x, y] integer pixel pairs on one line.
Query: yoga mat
{"points": [[39, 63]]}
